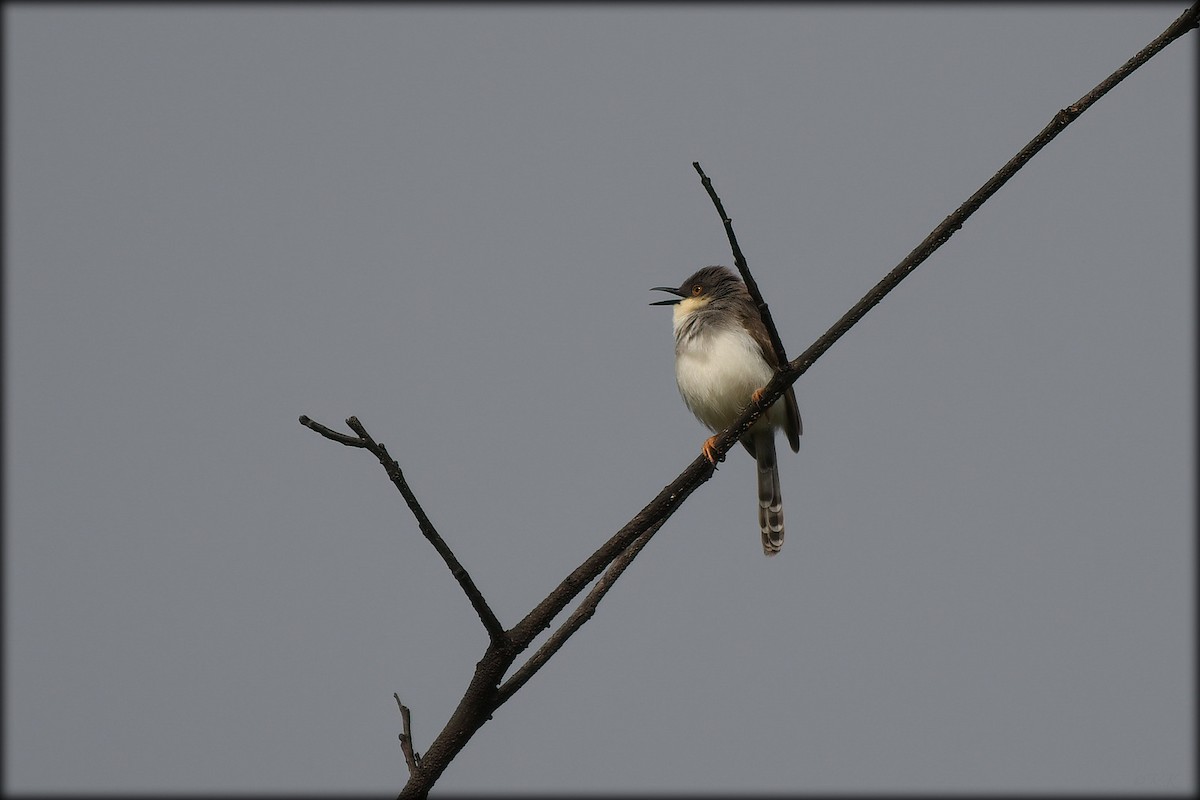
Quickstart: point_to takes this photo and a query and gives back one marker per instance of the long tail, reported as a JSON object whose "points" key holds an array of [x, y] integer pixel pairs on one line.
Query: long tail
{"points": [[770, 501]]}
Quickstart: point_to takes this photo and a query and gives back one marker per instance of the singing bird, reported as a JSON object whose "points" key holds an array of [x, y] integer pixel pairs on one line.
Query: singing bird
{"points": [[723, 360]]}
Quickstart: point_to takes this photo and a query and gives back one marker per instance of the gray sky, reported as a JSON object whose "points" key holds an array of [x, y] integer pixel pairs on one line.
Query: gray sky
{"points": [[445, 221]]}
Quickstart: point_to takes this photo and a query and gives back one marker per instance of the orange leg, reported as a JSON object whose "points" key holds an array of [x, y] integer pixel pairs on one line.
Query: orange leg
{"points": [[757, 396], [709, 449]]}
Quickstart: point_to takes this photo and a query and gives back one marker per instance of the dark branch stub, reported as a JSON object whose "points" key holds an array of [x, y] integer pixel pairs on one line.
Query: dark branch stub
{"points": [[411, 757]]}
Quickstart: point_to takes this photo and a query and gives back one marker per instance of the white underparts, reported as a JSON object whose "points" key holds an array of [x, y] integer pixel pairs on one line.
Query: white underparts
{"points": [[717, 369]]}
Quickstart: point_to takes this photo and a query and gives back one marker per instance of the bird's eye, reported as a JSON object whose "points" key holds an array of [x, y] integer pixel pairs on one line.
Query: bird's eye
{"points": [[697, 290]]}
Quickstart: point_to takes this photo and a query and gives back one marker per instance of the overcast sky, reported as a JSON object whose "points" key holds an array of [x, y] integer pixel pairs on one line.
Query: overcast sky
{"points": [[445, 221]]}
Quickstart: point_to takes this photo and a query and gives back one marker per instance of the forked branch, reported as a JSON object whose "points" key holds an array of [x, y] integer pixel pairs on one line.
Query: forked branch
{"points": [[584, 612], [488, 689]]}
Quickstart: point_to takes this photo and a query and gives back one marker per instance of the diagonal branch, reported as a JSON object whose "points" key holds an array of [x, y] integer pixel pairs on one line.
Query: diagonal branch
{"points": [[486, 616], [580, 615], [647, 521], [739, 261]]}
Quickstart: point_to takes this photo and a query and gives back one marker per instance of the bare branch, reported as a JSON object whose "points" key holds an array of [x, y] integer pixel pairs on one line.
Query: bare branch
{"points": [[486, 616], [580, 615], [411, 757], [739, 261], [647, 521]]}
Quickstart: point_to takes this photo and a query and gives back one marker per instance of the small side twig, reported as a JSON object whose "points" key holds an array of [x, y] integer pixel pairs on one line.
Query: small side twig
{"points": [[411, 757]]}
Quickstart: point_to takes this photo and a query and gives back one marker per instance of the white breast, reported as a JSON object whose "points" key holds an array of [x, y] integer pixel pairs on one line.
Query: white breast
{"points": [[717, 371]]}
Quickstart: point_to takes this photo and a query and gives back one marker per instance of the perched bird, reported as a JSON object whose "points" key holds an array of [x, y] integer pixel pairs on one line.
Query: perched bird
{"points": [[723, 360]]}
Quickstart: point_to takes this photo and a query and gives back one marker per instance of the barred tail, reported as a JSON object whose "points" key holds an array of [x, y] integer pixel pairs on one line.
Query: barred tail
{"points": [[770, 501]]}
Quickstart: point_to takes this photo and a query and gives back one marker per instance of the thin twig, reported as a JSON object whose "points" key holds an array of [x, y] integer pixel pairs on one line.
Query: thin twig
{"points": [[739, 261], [486, 616], [490, 623], [329, 433], [411, 757]]}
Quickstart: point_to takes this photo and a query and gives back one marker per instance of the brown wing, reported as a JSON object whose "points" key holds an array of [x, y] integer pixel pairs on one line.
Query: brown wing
{"points": [[795, 426], [758, 332]]}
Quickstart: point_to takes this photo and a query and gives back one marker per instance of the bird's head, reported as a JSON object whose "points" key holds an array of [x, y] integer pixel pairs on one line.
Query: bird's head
{"points": [[705, 286]]}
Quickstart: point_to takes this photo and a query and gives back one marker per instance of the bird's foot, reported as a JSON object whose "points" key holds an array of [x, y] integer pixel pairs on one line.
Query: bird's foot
{"points": [[757, 396], [709, 448]]}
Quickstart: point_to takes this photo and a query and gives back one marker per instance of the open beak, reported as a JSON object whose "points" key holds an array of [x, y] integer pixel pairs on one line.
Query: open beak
{"points": [[672, 290]]}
